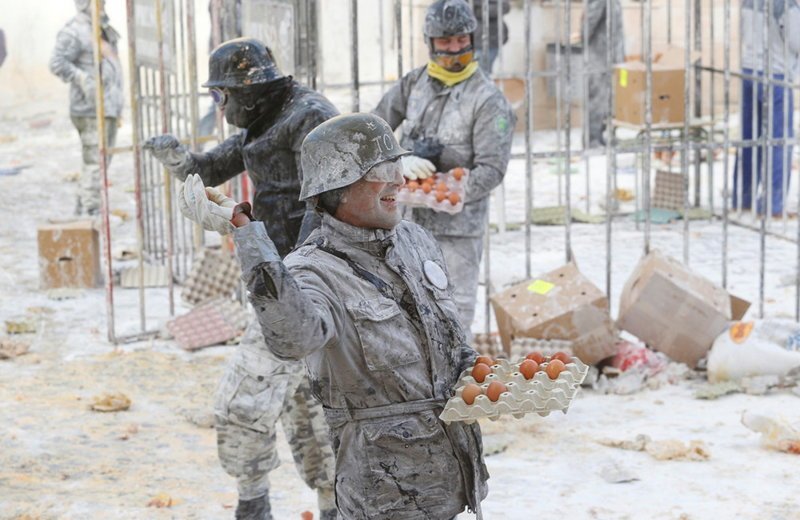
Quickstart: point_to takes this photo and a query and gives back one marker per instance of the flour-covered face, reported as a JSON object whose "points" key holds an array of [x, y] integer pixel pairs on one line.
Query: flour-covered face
{"points": [[371, 202]]}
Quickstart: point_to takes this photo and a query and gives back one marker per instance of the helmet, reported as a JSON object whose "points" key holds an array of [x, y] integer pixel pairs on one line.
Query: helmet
{"points": [[240, 63], [448, 18], [343, 149]]}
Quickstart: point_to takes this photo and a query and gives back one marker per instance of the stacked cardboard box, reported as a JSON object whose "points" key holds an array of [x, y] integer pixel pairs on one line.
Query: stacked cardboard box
{"points": [[667, 94], [562, 304], [674, 310]]}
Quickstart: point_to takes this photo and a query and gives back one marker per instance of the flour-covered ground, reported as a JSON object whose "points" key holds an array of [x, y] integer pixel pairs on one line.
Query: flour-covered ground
{"points": [[58, 459]]}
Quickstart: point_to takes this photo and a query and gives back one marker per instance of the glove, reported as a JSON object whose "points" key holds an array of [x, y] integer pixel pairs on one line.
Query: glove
{"points": [[168, 150], [417, 168], [209, 207]]}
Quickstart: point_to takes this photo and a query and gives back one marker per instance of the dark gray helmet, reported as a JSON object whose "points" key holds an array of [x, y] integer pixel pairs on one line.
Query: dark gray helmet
{"points": [[343, 149], [448, 18], [240, 63]]}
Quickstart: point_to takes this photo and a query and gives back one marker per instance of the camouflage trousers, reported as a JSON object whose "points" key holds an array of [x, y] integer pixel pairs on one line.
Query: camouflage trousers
{"points": [[89, 186], [256, 391], [463, 258]]}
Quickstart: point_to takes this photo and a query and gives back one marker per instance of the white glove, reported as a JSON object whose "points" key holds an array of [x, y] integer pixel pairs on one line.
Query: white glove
{"points": [[417, 168], [209, 207]]}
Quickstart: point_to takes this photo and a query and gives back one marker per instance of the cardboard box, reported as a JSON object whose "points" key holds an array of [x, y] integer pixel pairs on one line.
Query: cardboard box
{"points": [[667, 88], [562, 304], [69, 255], [674, 310]]}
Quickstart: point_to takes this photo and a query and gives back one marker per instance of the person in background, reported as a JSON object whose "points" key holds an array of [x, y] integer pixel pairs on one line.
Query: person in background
{"points": [[452, 115], [783, 31], [275, 114], [593, 36], [497, 9], [73, 62]]}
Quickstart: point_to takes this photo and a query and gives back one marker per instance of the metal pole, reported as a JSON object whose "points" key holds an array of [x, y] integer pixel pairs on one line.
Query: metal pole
{"points": [[166, 175], [398, 25], [568, 137], [528, 140], [710, 156], [199, 236], [585, 97], [698, 92], [686, 117], [648, 119], [785, 165], [726, 37], [313, 51], [766, 177], [485, 34], [411, 33], [133, 84], [103, 159], [559, 87], [354, 56], [382, 46], [610, 149]]}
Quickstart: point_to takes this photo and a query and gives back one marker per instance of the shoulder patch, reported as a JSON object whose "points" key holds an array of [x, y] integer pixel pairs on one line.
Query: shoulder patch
{"points": [[501, 124]]}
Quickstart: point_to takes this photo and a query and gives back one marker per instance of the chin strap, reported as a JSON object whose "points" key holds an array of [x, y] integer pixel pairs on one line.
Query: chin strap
{"points": [[436, 71]]}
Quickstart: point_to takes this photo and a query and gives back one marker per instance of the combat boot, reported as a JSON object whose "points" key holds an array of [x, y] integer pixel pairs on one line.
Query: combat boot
{"points": [[255, 509]]}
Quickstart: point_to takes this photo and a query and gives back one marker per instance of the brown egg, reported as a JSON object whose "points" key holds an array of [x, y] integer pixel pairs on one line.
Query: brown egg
{"points": [[495, 389], [470, 392], [563, 356], [427, 187], [536, 356], [554, 367], [440, 196], [454, 198], [412, 185], [486, 360], [441, 187], [480, 371], [528, 368], [458, 173]]}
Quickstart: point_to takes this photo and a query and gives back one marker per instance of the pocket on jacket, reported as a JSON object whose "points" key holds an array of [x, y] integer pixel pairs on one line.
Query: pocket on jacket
{"points": [[251, 400], [385, 337], [413, 453]]}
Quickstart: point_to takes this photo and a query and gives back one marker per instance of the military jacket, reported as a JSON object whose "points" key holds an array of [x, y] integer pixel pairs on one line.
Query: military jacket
{"points": [[473, 121], [74, 52], [371, 313], [270, 152]]}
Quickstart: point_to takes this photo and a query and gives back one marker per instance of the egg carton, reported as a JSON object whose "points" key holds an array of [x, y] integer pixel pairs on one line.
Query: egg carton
{"points": [[540, 394], [520, 347], [419, 198]]}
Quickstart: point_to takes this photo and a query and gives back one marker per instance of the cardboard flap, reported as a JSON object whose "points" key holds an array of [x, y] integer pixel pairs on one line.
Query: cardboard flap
{"points": [[739, 307]]}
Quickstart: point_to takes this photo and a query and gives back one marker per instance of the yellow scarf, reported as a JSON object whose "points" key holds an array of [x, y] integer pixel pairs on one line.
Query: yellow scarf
{"points": [[451, 78]]}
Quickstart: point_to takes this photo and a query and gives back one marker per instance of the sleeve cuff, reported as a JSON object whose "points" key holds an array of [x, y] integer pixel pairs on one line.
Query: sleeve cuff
{"points": [[253, 246]]}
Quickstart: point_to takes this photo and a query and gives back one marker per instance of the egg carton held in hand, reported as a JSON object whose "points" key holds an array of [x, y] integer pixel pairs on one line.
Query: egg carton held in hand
{"points": [[440, 192], [540, 394]]}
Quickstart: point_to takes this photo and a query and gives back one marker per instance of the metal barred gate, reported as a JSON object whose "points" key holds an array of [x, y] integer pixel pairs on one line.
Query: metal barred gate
{"points": [[353, 50]]}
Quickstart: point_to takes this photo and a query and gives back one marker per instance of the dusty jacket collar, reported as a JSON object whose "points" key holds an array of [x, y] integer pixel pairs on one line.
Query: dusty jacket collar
{"points": [[372, 240]]}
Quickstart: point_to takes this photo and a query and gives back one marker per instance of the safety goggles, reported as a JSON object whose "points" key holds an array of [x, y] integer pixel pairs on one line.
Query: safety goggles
{"points": [[220, 96], [389, 171]]}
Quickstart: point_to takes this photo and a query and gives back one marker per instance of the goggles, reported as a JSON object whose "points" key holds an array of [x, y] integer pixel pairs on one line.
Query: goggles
{"points": [[390, 171], [220, 96]]}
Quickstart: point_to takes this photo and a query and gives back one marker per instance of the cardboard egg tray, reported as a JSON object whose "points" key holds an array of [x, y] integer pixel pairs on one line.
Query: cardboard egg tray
{"points": [[418, 197], [540, 394]]}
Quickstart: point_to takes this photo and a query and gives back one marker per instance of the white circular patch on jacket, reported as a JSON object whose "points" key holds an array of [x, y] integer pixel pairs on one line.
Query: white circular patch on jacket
{"points": [[435, 274]]}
